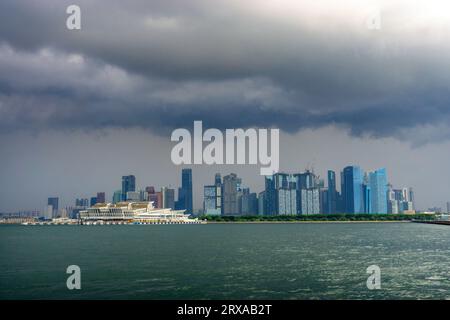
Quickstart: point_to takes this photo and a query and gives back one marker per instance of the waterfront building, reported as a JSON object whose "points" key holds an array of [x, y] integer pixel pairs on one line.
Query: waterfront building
{"points": [[353, 189], [93, 201], [212, 200], [230, 188], [54, 202], [280, 194], [168, 197], [310, 201], [128, 185], [261, 200], [185, 196], [117, 196], [332, 196], [248, 203], [378, 186], [101, 197]]}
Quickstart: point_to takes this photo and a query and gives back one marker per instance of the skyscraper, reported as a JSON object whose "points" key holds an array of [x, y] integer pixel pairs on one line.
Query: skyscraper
{"points": [[185, 197], [128, 184], [101, 197], [332, 193], [281, 196], [378, 187], [353, 189], [117, 197], [54, 202], [168, 197], [231, 185], [212, 200]]}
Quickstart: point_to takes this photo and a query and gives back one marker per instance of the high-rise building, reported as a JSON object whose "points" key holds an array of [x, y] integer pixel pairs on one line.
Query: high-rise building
{"points": [[281, 194], [54, 202], [212, 204], [117, 196], [128, 185], [159, 200], [310, 201], [261, 201], [101, 197], [379, 190], [93, 201], [168, 197], [353, 189], [332, 193], [82, 202], [185, 197], [248, 203], [448, 207], [230, 187]]}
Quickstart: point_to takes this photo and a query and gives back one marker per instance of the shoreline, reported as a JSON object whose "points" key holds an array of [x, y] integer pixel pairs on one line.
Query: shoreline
{"points": [[310, 221]]}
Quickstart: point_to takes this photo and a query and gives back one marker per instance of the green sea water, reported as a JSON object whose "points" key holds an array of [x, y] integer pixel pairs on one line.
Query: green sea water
{"points": [[226, 261]]}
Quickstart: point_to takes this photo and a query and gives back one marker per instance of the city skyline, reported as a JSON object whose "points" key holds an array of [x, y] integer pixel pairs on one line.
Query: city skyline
{"points": [[374, 195]]}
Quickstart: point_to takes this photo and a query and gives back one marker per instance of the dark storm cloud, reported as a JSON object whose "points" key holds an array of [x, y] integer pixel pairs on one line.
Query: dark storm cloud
{"points": [[161, 64]]}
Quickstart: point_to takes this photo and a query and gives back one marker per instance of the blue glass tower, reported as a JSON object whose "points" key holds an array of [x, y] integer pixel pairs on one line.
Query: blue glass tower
{"points": [[378, 187], [332, 193], [353, 189], [185, 192]]}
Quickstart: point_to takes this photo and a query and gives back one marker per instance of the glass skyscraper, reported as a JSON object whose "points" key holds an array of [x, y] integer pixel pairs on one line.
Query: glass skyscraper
{"points": [[378, 190], [353, 189], [185, 197], [332, 193], [128, 184]]}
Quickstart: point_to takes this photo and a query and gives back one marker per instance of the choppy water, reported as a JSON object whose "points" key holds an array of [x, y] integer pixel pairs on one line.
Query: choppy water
{"points": [[226, 261]]}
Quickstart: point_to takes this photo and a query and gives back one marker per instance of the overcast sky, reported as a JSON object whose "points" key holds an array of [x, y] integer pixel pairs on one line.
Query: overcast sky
{"points": [[79, 109]]}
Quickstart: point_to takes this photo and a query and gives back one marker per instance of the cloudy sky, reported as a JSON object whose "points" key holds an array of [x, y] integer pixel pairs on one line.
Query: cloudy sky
{"points": [[81, 108]]}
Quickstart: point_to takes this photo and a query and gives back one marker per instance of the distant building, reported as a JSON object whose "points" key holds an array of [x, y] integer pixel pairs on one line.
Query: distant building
{"points": [[261, 200], [54, 202], [448, 207], [128, 185], [212, 203], [332, 194], [231, 185], [378, 186], [310, 202], [168, 197], [117, 196], [248, 203], [185, 196], [352, 191], [281, 194], [101, 197], [82, 202], [93, 201]]}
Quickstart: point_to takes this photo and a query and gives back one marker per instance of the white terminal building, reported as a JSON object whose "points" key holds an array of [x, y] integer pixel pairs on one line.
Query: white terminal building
{"points": [[140, 212]]}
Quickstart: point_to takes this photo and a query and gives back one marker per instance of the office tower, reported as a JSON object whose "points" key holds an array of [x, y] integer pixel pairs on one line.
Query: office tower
{"points": [[168, 197], [150, 190], [185, 197], [332, 193], [133, 196], [54, 202], [353, 189], [101, 198], [93, 201], [128, 185], [310, 202], [159, 200], [212, 203], [230, 187], [378, 186], [117, 196], [261, 201], [82, 202], [367, 195], [281, 194], [248, 203], [323, 196]]}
